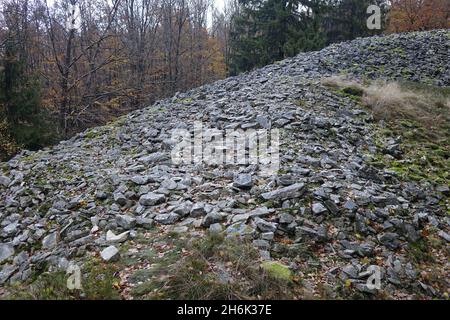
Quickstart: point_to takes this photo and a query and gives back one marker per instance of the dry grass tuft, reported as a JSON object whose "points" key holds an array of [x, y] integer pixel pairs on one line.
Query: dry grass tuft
{"points": [[417, 113], [391, 101], [339, 82], [424, 105]]}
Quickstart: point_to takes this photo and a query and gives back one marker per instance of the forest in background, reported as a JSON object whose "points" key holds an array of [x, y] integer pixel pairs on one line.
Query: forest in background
{"points": [[80, 63]]}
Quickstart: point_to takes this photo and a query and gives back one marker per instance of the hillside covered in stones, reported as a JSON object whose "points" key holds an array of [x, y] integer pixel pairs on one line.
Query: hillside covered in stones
{"points": [[111, 197]]}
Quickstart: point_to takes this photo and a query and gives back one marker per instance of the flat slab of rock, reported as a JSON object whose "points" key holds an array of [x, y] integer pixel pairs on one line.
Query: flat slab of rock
{"points": [[198, 210], [167, 218], [6, 272], [260, 212], [154, 158], [243, 181], [265, 226], [318, 208], [120, 198], [152, 199], [139, 180], [215, 228], [5, 181], [50, 241], [126, 222], [6, 251], [113, 238], [145, 223], [183, 209], [212, 218], [290, 192], [110, 254]]}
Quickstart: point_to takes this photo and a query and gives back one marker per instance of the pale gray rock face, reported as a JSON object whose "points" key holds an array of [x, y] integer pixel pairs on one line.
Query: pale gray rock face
{"points": [[101, 195], [5, 181], [198, 210], [215, 228], [139, 180], [6, 272], [389, 239], [154, 158], [11, 229], [350, 205], [87, 193], [212, 218], [113, 238], [110, 254], [183, 209], [293, 191], [126, 222], [120, 198], [260, 212], [151, 199], [50, 241], [167, 218], [262, 244], [264, 122], [240, 230], [265, 226], [444, 235], [318, 208], [243, 181], [144, 223], [315, 233], [268, 236], [6, 252], [286, 218]]}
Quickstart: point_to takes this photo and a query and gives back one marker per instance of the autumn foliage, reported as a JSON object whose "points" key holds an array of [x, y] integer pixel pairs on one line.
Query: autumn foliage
{"points": [[85, 62], [67, 65], [418, 15]]}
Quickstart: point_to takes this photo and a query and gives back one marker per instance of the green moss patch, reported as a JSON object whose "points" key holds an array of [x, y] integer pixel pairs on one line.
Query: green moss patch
{"points": [[277, 270]]}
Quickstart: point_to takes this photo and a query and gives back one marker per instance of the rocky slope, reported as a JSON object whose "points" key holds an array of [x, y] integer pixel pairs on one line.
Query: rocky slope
{"points": [[105, 188]]}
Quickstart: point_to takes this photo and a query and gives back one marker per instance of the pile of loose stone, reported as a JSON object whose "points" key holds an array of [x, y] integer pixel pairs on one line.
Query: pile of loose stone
{"points": [[105, 186]]}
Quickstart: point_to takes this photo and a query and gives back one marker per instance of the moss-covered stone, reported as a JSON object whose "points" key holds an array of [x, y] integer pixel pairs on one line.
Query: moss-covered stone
{"points": [[277, 270]]}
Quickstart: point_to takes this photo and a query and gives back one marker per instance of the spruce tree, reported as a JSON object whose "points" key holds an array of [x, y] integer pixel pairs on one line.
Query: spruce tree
{"points": [[264, 31], [20, 102], [347, 19], [271, 30]]}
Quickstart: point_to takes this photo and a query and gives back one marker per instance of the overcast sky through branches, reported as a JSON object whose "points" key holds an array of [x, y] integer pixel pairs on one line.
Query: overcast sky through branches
{"points": [[219, 4]]}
